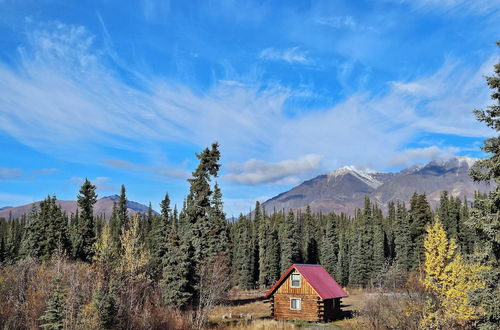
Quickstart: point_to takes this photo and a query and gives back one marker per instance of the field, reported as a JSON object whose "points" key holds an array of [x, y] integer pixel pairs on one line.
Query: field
{"points": [[248, 310]]}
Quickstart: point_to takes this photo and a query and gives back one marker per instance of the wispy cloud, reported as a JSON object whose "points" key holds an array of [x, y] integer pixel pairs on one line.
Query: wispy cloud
{"points": [[64, 95], [421, 155], [338, 22], [458, 6], [290, 55], [157, 170], [288, 171], [8, 173]]}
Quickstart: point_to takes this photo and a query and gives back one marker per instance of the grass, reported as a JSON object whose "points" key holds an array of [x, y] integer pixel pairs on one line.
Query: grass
{"points": [[256, 313]]}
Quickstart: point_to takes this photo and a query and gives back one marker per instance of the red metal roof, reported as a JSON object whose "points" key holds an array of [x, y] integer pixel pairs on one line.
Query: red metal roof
{"points": [[324, 285]]}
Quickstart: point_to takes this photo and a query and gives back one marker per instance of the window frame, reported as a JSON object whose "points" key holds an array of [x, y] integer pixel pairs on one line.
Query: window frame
{"points": [[291, 280], [300, 304]]}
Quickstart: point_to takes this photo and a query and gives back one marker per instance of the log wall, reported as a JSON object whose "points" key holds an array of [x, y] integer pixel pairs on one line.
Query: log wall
{"points": [[312, 305], [309, 312]]}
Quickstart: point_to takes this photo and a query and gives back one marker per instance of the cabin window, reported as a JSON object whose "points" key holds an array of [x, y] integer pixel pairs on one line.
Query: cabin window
{"points": [[295, 304], [295, 281]]}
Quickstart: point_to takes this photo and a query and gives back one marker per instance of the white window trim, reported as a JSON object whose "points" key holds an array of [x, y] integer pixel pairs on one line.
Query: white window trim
{"points": [[300, 281], [300, 303]]}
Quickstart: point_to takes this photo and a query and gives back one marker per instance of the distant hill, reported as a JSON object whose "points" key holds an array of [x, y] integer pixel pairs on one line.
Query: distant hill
{"points": [[343, 190], [103, 206]]}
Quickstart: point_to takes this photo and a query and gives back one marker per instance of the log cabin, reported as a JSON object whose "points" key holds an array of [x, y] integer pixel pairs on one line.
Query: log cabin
{"points": [[305, 292]]}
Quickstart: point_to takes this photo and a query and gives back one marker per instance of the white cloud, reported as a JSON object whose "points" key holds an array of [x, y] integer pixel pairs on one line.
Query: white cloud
{"points": [[157, 170], [255, 171], [458, 6], [7, 173], [422, 155], [338, 22], [63, 97], [290, 55]]}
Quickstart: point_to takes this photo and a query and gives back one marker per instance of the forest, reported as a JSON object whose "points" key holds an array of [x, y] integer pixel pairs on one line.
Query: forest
{"points": [[69, 271]]}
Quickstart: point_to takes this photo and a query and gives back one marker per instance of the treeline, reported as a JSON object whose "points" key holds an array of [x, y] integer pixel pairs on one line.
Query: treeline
{"points": [[357, 251]]}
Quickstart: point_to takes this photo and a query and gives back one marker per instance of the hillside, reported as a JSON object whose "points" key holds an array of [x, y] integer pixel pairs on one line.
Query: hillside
{"points": [[103, 206], [343, 190]]}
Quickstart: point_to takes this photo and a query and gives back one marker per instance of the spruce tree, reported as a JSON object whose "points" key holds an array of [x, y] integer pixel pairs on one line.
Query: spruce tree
{"points": [[106, 305], [32, 241], [243, 253], [54, 314], [402, 239], [378, 261], [198, 203], [342, 271], [311, 231], [115, 230], [330, 247], [122, 211], [176, 283], [218, 236], [54, 231], [290, 244], [160, 229], [361, 263], [269, 254], [485, 215], [85, 232], [420, 216]]}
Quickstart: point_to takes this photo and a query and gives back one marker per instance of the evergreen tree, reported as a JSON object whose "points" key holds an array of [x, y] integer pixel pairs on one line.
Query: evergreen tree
{"points": [[53, 316], [85, 232], [389, 232], [218, 236], [485, 215], [198, 203], [115, 230], [290, 245], [122, 211], [159, 230], [106, 305], [269, 254], [378, 260], [361, 264], [402, 239], [243, 253], [177, 283], [330, 247], [311, 232], [32, 242], [419, 216], [342, 271]]}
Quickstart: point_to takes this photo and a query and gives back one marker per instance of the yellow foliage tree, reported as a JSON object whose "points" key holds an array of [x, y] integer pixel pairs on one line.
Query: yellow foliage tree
{"points": [[450, 280], [135, 255], [104, 251]]}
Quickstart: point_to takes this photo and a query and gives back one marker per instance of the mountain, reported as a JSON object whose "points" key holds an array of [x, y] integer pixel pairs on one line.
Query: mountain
{"points": [[343, 190], [103, 206]]}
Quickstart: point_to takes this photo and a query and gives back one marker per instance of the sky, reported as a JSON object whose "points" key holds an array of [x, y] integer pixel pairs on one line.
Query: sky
{"points": [[126, 92]]}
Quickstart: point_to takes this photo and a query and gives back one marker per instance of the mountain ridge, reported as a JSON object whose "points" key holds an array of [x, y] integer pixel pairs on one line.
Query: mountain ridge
{"points": [[103, 206], [343, 190]]}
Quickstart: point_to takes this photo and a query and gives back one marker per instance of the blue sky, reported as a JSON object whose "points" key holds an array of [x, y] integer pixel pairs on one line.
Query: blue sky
{"points": [[127, 92]]}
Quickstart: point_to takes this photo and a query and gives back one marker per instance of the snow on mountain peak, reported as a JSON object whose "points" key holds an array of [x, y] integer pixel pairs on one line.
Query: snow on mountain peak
{"points": [[467, 160], [363, 175]]}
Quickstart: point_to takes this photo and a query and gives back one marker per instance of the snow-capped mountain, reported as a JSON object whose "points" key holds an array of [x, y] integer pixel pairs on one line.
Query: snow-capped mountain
{"points": [[343, 190]]}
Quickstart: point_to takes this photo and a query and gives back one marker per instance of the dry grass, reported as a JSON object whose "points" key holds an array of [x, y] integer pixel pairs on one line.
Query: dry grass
{"points": [[247, 303]]}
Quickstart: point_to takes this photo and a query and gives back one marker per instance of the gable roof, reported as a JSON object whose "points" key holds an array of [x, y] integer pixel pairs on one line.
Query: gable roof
{"points": [[324, 285]]}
